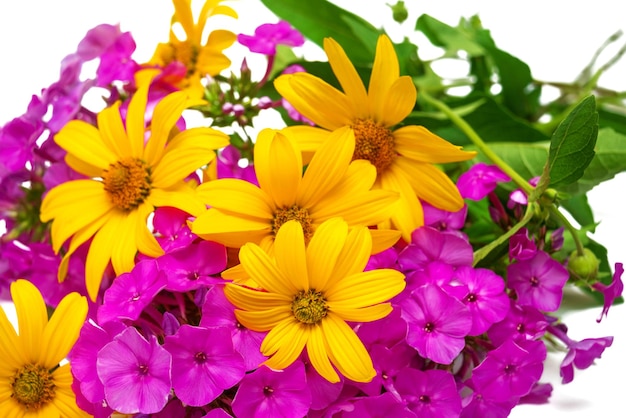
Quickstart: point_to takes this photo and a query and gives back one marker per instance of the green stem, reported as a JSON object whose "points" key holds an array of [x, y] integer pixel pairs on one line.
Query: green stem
{"points": [[477, 140], [554, 211]]}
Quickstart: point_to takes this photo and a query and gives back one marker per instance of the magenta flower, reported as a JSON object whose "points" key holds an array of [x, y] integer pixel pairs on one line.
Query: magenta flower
{"points": [[323, 392], [612, 291], [482, 291], [268, 393], [131, 292], [380, 406], [520, 246], [228, 166], [429, 244], [136, 373], [430, 393], [510, 371], [518, 196], [204, 363], [520, 324], [480, 180], [267, 36], [437, 323], [170, 226], [538, 281], [444, 221]]}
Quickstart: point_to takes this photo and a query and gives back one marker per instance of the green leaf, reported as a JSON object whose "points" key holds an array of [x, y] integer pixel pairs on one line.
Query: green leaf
{"points": [[319, 19], [572, 144], [609, 160], [578, 207], [448, 37]]}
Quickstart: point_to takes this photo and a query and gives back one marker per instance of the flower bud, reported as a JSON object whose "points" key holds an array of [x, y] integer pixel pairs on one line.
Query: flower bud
{"points": [[400, 13], [585, 266]]}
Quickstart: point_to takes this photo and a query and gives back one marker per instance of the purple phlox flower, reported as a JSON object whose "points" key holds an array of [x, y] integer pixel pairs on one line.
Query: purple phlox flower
{"points": [[482, 291], [217, 311], [557, 239], [323, 392], [387, 362], [228, 166], [267, 36], [59, 173], [518, 196], [131, 292], [580, 354], [538, 395], [98, 409], [444, 221], [217, 413], [84, 356], [476, 405], [520, 324], [170, 227], [435, 272], [430, 393], [116, 62], [386, 259], [135, 372], [437, 323], [18, 138], [387, 331], [273, 393], [611, 291], [510, 371], [429, 244], [480, 180], [170, 323], [193, 266], [538, 281], [381, 406], [521, 247], [204, 363]]}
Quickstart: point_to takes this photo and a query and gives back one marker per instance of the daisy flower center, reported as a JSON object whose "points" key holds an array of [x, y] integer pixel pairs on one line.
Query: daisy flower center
{"points": [[127, 182], [293, 213], [374, 143], [187, 53], [33, 387], [309, 306]]}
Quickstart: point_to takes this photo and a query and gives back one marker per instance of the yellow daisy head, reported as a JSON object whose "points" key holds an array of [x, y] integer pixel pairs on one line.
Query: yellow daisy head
{"points": [[200, 58], [331, 186], [404, 157], [306, 293], [127, 176], [31, 381]]}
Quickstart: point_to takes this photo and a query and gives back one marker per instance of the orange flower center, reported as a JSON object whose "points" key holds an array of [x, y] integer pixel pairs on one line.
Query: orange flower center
{"points": [[309, 307], [127, 183], [187, 53], [293, 213], [33, 387], [374, 143]]}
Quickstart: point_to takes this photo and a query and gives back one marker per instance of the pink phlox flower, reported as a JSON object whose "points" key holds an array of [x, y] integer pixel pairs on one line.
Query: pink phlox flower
{"points": [[520, 324], [323, 392], [538, 395], [483, 292], [611, 291], [429, 393], [510, 371], [194, 266], [217, 311], [131, 292], [444, 221], [436, 273], [518, 196], [228, 166], [380, 406], [538, 281], [476, 405], [204, 363], [428, 244], [273, 393], [521, 247], [135, 372], [267, 36], [384, 259], [580, 354], [171, 230], [388, 362], [480, 180], [18, 138], [387, 331], [437, 323]]}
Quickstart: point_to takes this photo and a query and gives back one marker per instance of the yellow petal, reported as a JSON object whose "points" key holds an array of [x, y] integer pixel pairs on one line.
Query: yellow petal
{"points": [[399, 101], [64, 398], [237, 197], [11, 350], [183, 199], [318, 355], [124, 248], [366, 314], [263, 270], [346, 351], [255, 300], [357, 209], [135, 121], [355, 252], [145, 240], [348, 78], [431, 184], [229, 230], [184, 15], [384, 238], [166, 113], [112, 130], [419, 144], [32, 317], [323, 250], [62, 331], [407, 213], [264, 320], [327, 168], [315, 99], [284, 343], [385, 72], [365, 289], [290, 255], [85, 143], [100, 252], [308, 138], [82, 167]]}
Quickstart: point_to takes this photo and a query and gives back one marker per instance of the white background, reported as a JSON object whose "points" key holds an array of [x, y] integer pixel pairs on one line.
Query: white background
{"points": [[556, 38]]}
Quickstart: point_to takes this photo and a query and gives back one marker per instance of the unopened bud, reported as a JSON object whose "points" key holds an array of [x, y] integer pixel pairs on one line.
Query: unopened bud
{"points": [[583, 267], [399, 11]]}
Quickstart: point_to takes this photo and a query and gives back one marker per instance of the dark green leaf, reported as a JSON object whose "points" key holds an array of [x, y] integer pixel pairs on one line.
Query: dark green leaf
{"points": [[578, 207], [446, 36]]}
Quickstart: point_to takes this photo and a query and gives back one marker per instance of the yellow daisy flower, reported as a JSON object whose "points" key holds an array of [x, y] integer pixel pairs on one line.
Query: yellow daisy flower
{"points": [[307, 293], [403, 157], [332, 186], [128, 177], [200, 59], [32, 384]]}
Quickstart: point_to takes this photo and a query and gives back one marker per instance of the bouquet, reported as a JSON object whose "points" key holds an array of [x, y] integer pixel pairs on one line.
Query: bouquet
{"points": [[392, 242]]}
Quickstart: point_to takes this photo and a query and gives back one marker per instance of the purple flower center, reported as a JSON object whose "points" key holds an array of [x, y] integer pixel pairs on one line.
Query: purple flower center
{"points": [[510, 369], [143, 369], [521, 328], [534, 282], [200, 357], [471, 298], [136, 296], [193, 276], [425, 399], [268, 391], [429, 327]]}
